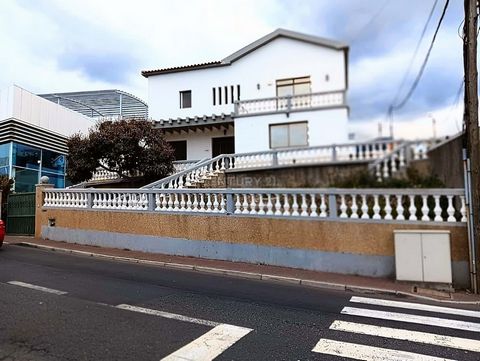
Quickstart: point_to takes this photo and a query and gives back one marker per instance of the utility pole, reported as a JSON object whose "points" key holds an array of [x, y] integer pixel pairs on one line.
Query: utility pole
{"points": [[471, 124]]}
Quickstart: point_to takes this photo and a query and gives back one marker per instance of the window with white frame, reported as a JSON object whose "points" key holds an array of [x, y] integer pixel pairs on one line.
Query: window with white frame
{"points": [[186, 99], [294, 86], [289, 135]]}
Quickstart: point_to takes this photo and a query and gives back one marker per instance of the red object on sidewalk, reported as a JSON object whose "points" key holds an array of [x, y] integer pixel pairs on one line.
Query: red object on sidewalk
{"points": [[2, 232]]}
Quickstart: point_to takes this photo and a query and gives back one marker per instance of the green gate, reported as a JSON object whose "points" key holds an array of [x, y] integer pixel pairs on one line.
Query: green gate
{"points": [[21, 214]]}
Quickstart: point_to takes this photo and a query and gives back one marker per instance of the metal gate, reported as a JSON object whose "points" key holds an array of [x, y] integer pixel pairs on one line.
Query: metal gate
{"points": [[21, 214]]}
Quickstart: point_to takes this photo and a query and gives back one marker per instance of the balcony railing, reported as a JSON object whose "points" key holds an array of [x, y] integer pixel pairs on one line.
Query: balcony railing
{"points": [[290, 103]]}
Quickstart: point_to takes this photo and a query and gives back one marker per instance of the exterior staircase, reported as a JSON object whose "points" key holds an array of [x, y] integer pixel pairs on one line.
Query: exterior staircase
{"points": [[385, 159]]}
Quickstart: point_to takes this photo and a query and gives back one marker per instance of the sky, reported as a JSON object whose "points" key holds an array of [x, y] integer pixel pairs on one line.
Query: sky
{"points": [[72, 45]]}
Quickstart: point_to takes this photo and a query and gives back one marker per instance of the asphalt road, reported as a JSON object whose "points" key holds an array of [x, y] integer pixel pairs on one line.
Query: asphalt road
{"points": [[182, 315]]}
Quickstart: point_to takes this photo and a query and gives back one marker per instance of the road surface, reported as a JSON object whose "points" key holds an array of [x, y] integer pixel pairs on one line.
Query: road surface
{"points": [[56, 306]]}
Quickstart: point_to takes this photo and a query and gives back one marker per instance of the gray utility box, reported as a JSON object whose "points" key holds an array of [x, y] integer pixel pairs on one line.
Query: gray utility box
{"points": [[423, 256]]}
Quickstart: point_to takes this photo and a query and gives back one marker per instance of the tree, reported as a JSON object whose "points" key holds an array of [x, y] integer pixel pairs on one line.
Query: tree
{"points": [[129, 147]]}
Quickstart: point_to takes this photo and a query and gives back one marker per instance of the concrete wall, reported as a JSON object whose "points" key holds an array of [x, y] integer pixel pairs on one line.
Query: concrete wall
{"points": [[445, 162], [352, 247], [19, 103], [256, 74], [318, 176]]}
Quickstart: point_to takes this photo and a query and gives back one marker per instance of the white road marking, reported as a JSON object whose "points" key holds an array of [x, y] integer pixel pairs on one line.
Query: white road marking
{"points": [[415, 306], [403, 317], [210, 345], [369, 353], [407, 335], [207, 346], [38, 288], [163, 314]]}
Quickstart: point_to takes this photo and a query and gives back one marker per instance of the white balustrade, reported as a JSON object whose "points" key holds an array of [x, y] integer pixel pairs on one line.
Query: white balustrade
{"points": [[289, 103], [398, 157], [426, 205], [102, 174], [201, 171]]}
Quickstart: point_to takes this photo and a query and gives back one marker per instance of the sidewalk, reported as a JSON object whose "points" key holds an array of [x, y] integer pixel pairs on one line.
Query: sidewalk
{"points": [[255, 271]]}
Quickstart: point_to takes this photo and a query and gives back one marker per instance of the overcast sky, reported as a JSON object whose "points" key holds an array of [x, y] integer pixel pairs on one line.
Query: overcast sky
{"points": [[69, 45]]}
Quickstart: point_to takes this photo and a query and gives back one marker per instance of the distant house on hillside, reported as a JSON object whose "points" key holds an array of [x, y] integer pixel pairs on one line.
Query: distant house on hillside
{"points": [[284, 90]]}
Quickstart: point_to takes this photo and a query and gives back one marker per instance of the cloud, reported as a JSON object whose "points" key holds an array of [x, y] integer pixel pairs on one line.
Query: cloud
{"points": [[57, 45], [382, 37], [113, 68]]}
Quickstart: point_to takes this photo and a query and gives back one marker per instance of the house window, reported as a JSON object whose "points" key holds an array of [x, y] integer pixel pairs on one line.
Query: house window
{"points": [[214, 96], [294, 86], [186, 99], [179, 149], [289, 135]]}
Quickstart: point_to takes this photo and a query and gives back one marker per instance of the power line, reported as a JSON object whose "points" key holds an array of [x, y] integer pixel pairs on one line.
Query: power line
{"points": [[409, 68], [371, 21], [455, 103], [422, 68]]}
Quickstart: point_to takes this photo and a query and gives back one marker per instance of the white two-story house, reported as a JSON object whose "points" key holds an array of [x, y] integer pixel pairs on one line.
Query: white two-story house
{"points": [[284, 90]]}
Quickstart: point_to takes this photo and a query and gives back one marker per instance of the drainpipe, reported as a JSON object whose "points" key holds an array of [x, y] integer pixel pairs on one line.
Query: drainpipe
{"points": [[469, 211]]}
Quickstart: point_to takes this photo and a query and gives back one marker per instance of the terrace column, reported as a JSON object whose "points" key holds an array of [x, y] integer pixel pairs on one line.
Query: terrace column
{"points": [[39, 197]]}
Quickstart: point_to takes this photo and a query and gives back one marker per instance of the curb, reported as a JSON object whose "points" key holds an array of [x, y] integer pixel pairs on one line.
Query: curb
{"points": [[248, 275]]}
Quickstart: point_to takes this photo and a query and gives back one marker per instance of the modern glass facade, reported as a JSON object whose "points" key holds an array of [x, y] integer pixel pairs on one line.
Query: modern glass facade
{"points": [[26, 164]]}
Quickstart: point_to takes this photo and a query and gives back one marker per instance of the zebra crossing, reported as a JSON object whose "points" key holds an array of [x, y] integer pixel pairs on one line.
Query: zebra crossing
{"points": [[441, 319], [365, 329]]}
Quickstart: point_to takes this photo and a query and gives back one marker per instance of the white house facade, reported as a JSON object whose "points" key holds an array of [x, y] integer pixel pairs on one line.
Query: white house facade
{"points": [[284, 90]]}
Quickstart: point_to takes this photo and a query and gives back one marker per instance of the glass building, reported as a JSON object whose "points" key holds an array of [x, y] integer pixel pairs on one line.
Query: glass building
{"points": [[26, 164]]}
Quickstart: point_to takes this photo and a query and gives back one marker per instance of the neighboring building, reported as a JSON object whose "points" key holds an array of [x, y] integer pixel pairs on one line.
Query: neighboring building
{"points": [[284, 90], [101, 103], [33, 138]]}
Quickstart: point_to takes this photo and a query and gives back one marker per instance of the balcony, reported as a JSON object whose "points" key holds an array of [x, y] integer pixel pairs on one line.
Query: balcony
{"points": [[287, 104]]}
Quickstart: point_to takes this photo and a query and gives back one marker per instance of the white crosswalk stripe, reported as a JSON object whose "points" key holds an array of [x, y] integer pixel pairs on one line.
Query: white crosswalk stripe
{"points": [[408, 335], [405, 317], [370, 353], [360, 351], [415, 306], [208, 346]]}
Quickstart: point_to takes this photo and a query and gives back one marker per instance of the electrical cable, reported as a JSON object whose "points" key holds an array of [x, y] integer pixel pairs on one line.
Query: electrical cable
{"points": [[420, 40], [422, 68], [454, 105], [371, 21]]}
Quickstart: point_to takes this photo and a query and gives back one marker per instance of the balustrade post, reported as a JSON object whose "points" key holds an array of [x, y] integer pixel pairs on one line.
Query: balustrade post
{"points": [[332, 206], [289, 104], [151, 202], [275, 158], [89, 201], [39, 201], [334, 153], [230, 204]]}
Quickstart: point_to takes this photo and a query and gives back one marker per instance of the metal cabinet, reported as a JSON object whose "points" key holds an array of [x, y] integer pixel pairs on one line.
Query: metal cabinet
{"points": [[423, 256]]}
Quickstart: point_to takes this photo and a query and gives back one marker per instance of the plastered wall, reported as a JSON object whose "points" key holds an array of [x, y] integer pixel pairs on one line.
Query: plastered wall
{"points": [[341, 246]]}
